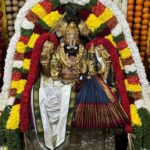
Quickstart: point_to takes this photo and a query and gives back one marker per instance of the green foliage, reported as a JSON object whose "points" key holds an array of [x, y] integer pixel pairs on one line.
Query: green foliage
{"points": [[3, 121], [56, 3], [13, 139], [142, 140]]}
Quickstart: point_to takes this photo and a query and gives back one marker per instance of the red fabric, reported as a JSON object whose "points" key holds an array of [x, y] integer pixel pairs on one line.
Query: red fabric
{"points": [[118, 74], [32, 76]]}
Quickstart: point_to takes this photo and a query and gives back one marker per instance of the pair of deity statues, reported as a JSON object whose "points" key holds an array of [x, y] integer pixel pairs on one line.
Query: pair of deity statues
{"points": [[71, 68]]}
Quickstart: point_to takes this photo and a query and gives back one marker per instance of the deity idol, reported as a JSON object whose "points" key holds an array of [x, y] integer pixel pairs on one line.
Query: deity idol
{"points": [[71, 68], [72, 74]]}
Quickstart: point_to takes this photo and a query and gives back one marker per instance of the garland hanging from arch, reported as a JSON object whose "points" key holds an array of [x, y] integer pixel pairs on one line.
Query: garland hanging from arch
{"points": [[41, 17]]}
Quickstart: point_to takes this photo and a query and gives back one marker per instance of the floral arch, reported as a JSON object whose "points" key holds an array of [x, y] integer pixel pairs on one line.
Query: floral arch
{"points": [[39, 17]]}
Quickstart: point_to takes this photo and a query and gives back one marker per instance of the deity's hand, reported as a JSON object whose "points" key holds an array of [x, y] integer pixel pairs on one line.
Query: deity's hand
{"points": [[84, 30], [46, 56], [103, 58]]}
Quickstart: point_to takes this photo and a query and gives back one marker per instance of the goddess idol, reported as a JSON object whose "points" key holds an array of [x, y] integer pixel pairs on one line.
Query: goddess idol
{"points": [[75, 69]]}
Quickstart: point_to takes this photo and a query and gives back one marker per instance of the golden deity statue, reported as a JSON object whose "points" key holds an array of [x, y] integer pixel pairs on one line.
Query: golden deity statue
{"points": [[70, 59]]}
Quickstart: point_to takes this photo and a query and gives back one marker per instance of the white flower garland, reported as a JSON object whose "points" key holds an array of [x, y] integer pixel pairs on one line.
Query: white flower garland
{"points": [[8, 71], [122, 5], [18, 64], [130, 68], [11, 51], [79, 2]]}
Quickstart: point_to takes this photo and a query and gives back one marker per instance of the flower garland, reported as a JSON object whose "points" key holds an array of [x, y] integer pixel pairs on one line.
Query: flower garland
{"points": [[134, 116], [13, 121], [22, 51], [36, 23], [135, 53], [11, 51], [118, 73], [78, 4], [122, 5], [32, 76], [81, 2], [95, 22], [142, 133], [17, 87]]}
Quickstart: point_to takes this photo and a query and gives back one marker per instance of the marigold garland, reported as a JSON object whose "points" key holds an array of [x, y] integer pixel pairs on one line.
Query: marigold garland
{"points": [[125, 53], [32, 76], [32, 40], [100, 20], [93, 22], [132, 87], [101, 15], [39, 11], [23, 50], [13, 120], [26, 64], [106, 15], [21, 47], [136, 121], [52, 18]]}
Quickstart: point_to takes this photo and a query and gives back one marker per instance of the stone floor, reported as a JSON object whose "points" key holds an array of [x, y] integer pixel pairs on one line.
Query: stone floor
{"points": [[80, 139]]}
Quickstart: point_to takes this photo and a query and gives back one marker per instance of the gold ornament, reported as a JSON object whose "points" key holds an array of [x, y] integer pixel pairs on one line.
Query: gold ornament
{"points": [[54, 68], [45, 57], [84, 30]]}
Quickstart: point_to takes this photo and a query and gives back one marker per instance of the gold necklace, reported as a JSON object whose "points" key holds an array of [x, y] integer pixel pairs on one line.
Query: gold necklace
{"points": [[65, 58]]}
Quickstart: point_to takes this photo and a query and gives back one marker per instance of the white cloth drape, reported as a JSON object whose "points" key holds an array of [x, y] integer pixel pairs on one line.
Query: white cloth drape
{"points": [[54, 104]]}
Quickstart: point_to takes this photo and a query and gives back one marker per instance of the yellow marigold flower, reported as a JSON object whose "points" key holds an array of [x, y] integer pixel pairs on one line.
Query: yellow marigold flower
{"points": [[14, 84], [110, 38], [21, 47], [106, 15], [26, 64], [125, 53], [93, 22], [32, 40], [133, 87], [13, 120], [39, 11], [52, 18], [135, 119], [21, 86]]}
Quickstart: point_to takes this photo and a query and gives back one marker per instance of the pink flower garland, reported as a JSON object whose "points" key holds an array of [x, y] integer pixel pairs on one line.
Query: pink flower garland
{"points": [[118, 74], [32, 76]]}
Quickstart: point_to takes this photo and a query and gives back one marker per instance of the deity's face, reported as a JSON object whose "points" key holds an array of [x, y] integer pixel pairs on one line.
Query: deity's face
{"points": [[71, 50], [71, 39]]}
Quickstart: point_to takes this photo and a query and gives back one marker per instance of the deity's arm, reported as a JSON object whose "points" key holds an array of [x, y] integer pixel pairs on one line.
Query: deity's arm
{"points": [[83, 64], [103, 59], [46, 54], [54, 67]]}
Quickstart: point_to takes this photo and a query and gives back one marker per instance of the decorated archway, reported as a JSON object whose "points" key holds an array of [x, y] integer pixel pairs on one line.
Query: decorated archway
{"points": [[34, 22]]}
